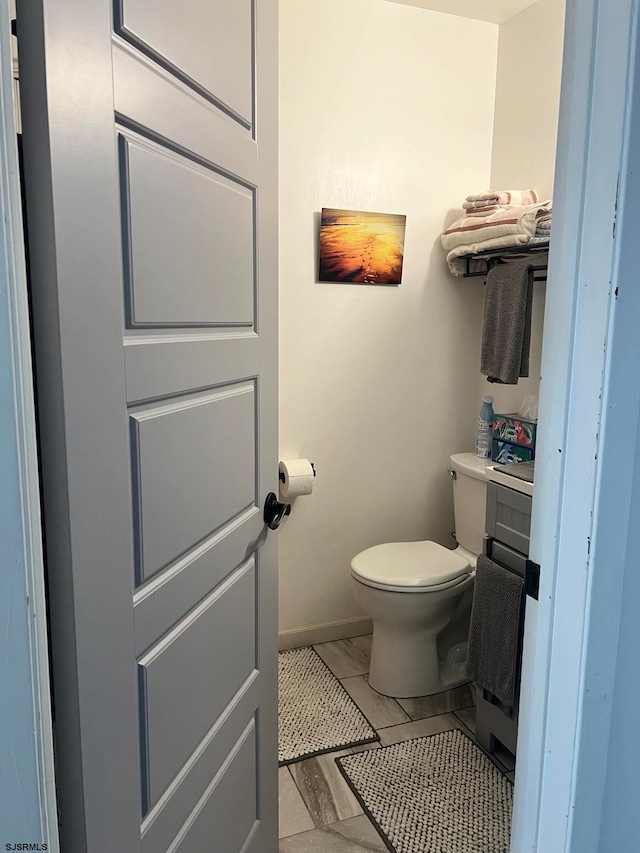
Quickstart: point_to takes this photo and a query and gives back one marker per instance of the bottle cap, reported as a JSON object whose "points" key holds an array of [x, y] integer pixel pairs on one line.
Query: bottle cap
{"points": [[487, 398]]}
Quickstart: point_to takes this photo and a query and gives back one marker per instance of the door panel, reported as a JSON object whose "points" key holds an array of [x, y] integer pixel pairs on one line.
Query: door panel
{"points": [[151, 198], [165, 820], [157, 367], [208, 45], [186, 225], [227, 795], [193, 462], [164, 599], [193, 674], [149, 96]]}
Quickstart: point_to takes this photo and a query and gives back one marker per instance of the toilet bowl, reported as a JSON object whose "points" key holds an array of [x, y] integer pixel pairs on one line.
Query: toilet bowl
{"points": [[419, 596]]}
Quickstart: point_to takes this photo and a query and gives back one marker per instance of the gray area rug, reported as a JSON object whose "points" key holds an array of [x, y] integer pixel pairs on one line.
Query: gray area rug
{"points": [[433, 794], [315, 712]]}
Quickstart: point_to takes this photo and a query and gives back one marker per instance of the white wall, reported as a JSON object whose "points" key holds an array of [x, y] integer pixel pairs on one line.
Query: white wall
{"points": [[524, 143], [385, 108]]}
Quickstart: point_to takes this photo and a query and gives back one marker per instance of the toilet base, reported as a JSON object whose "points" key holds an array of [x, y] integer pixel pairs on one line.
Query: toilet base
{"points": [[400, 694], [406, 667], [419, 639]]}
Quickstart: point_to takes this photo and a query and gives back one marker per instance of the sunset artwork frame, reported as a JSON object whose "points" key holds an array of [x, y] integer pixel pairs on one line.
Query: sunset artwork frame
{"points": [[357, 247]]}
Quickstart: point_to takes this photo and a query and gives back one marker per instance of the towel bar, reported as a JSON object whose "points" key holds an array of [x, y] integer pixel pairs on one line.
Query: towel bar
{"points": [[496, 257]]}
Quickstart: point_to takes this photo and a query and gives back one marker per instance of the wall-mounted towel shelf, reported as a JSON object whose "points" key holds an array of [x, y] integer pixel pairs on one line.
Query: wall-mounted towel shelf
{"points": [[495, 256]]}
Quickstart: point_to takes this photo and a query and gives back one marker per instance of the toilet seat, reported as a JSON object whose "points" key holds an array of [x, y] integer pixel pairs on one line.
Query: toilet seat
{"points": [[410, 567], [387, 587]]}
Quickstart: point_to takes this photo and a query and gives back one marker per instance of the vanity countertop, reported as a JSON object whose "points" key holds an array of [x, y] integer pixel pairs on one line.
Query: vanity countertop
{"points": [[515, 475]]}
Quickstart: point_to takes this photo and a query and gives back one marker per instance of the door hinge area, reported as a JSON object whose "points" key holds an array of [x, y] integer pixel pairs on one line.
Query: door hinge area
{"points": [[532, 579]]}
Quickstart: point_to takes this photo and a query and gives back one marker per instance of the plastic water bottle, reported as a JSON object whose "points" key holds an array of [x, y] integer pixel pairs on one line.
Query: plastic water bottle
{"points": [[485, 428]]}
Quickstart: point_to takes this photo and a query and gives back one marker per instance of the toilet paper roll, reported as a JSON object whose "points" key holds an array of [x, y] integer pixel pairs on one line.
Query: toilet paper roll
{"points": [[296, 477]]}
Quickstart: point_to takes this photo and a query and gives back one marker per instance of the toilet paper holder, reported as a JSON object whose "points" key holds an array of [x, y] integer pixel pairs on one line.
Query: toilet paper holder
{"points": [[281, 475], [275, 510]]}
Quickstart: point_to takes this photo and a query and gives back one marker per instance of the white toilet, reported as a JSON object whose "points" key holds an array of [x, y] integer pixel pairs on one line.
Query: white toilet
{"points": [[419, 596]]}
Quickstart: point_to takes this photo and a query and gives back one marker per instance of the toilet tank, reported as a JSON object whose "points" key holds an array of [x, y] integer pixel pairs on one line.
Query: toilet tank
{"points": [[469, 499]]}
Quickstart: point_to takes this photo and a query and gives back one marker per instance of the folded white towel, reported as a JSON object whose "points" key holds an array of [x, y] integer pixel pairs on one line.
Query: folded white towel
{"points": [[485, 209], [459, 267], [513, 221], [543, 224], [481, 205], [503, 197]]}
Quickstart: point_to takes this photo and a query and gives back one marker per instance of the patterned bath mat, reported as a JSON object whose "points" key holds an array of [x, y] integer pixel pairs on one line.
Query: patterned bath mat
{"points": [[315, 712], [433, 794]]}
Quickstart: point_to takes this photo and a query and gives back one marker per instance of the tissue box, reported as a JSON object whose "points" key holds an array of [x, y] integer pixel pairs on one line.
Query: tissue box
{"points": [[515, 430], [506, 452]]}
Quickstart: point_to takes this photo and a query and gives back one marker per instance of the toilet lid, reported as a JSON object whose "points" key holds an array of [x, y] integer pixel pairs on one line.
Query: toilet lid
{"points": [[409, 564]]}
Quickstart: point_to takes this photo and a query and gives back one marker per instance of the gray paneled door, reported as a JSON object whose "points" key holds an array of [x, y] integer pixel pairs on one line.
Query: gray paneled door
{"points": [[150, 143]]}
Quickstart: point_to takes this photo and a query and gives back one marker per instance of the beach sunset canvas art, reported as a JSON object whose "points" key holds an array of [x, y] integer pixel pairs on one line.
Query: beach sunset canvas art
{"points": [[361, 248]]}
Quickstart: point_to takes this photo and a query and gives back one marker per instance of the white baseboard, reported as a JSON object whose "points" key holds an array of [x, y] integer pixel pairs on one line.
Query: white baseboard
{"points": [[324, 632]]}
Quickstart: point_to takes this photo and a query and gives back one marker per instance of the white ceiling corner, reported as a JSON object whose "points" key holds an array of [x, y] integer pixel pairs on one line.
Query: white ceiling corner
{"points": [[493, 11]]}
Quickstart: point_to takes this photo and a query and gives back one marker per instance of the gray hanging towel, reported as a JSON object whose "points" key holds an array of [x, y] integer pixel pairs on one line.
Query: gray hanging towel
{"points": [[494, 636], [506, 323]]}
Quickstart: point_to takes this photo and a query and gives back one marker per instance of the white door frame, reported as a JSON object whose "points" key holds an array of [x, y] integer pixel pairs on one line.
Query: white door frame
{"points": [[581, 509], [28, 812], [590, 411]]}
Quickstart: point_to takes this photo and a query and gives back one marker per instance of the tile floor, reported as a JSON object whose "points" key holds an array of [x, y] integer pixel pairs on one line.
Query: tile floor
{"points": [[318, 812]]}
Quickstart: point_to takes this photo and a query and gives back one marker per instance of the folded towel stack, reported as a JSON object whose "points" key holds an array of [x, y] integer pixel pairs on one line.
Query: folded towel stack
{"points": [[497, 219]]}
